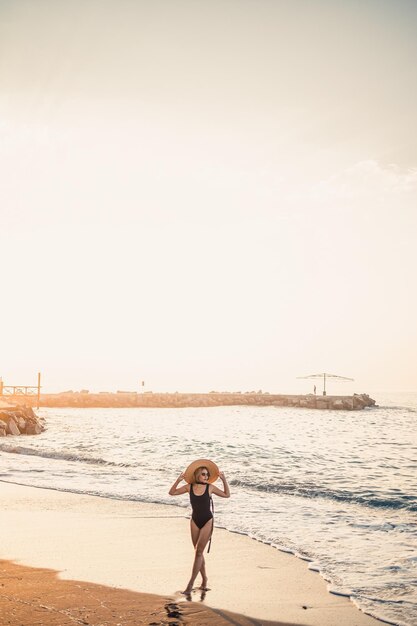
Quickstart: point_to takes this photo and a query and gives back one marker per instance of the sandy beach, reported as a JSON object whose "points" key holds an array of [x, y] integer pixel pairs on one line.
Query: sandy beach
{"points": [[69, 558]]}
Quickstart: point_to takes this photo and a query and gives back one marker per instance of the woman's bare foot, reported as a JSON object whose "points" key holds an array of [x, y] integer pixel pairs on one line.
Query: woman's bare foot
{"points": [[203, 586], [187, 592]]}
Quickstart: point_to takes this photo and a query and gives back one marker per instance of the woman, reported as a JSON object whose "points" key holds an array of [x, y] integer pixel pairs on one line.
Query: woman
{"points": [[199, 476]]}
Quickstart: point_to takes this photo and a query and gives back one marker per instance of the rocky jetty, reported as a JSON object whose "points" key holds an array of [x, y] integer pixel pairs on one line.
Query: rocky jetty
{"points": [[19, 420], [83, 399]]}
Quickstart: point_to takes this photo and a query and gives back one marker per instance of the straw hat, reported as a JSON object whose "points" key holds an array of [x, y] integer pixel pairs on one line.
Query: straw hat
{"points": [[212, 468]]}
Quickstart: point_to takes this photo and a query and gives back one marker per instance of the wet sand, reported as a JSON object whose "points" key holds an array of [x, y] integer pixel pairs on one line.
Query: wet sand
{"points": [[37, 597], [133, 559]]}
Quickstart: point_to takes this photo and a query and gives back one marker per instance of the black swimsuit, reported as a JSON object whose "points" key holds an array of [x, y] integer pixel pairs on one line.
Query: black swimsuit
{"points": [[201, 507]]}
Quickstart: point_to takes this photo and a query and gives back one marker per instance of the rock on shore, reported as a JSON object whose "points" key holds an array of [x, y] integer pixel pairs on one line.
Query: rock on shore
{"points": [[19, 420]]}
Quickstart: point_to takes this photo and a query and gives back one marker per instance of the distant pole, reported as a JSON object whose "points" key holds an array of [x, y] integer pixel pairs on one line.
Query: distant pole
{"points": [[39, 390], [324, 387]]}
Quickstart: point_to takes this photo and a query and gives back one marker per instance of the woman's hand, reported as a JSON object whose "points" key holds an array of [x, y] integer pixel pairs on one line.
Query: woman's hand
{"points": [[222, 476], [181, 477]]}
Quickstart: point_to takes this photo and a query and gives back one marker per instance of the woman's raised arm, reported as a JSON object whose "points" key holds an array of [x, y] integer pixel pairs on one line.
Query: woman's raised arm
{"points": [[177, 492], [226, 491]]}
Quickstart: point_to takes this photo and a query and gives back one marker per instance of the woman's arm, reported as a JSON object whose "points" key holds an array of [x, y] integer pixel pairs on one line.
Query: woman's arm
{"points": [[226, 491], [177, 492]]}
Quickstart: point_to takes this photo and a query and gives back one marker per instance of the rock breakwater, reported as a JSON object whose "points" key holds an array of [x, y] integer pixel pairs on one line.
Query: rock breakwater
{"points": [[182, 400], [19, 420]]}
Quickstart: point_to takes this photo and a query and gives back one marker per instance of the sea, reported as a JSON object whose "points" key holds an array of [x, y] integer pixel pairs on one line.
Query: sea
{"points": [[336, 488]]}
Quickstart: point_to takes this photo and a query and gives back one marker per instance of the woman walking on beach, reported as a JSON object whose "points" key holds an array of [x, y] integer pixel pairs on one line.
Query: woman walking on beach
{"points": [[199, 476]]}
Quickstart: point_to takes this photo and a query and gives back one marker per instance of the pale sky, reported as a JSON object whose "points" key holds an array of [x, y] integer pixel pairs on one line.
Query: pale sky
{"points": [[216, 194]]}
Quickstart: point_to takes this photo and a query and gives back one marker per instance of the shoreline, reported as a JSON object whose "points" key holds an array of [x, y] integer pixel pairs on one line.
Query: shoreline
{"points": [[270, 584], [185, 515]]}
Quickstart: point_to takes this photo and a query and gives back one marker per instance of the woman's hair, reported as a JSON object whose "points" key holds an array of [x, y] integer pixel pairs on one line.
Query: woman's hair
{"points": [[198, 470]]}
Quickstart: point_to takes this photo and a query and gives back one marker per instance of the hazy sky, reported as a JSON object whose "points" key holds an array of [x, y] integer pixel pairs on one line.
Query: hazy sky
{"points": [[216, 194]]}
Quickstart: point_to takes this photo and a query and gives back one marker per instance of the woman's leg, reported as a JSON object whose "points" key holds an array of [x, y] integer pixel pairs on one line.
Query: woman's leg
{"points": [[203, 575], [195, 533], [202, 541]]}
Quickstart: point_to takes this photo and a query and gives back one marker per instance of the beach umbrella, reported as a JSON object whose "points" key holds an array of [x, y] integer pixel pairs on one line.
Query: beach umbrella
{"points": [[324, 376]]}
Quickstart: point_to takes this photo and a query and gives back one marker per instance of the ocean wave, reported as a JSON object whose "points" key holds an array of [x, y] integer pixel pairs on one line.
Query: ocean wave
{"points": [[403, 409], [63, 456], [309, 490]]}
